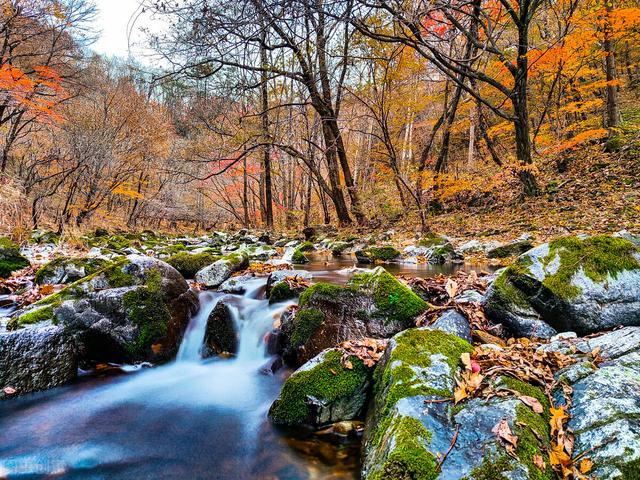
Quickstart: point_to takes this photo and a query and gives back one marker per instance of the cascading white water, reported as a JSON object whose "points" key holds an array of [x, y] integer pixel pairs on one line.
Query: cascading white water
{"points": [[191, 345]]}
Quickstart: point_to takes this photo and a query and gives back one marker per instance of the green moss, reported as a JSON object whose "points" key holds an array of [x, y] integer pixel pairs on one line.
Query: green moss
{"points": [[327, 381], [299, 257], [37, 315], [10, 258], [322, 289], [528, 390], [630, 470], [491, 469], [306, 247], [280, 292], [188, 264], [599, 257], [305, 324], [118, 243], [432, 241], [383, 254], [146, 308], [397, 377], [507, 293], [409, 458], [515, 248], [531, 444], [90, 265], [392, 298]]}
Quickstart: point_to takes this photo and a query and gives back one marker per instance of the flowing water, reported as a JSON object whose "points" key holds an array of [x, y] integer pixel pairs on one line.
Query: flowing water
{"points": [[191, 419]]}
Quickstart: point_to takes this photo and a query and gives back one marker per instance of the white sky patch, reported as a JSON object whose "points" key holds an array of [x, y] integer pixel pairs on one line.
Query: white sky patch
{"points": [[119, 28]]}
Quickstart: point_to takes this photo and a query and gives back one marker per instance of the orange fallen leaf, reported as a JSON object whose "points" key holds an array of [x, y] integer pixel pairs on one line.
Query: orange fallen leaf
{"points": [[538, 461], [586, 465]]}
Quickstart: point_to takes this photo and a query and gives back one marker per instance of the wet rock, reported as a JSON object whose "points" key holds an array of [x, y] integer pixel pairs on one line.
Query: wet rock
{"points": [[515, 248], [605, 405], [10, 258], [134, 310], [67, 270], [469, 296], [571, 284], [220, 334], [237, 285], [221, 270], [408, 426], [322, 392], [35, 359], [436, 250], [373, 304], [453, 322], [311, 232]]}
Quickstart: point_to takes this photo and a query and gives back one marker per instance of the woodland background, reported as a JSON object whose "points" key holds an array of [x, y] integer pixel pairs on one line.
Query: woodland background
{"points": [[467, 117]]}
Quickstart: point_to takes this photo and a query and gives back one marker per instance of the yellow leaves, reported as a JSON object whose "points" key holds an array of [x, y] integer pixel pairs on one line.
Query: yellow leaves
{"points": [[469, 381], [126, 192], [586, 465], [558, 418]]}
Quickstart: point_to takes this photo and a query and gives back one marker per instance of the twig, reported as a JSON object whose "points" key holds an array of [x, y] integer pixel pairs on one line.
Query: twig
{"points": [[586, 452], [453, 443]]}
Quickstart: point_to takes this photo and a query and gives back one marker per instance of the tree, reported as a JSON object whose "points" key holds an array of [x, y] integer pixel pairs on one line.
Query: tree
{"points": [[468, 41]]}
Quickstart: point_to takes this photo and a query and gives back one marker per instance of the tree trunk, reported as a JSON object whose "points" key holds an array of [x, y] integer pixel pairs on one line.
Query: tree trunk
{"points": [[613, 103], [264, 116]]}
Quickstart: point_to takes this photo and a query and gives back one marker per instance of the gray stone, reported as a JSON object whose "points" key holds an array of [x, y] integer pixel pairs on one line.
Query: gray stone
{"points": [[220, 334], [453, 322], [237, 285], [215, 274], [521, 298], [320, 403], [35, 359]]}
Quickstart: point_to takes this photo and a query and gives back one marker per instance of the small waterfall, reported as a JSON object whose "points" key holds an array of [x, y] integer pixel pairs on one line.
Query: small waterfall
{"points": [[191, 345]]}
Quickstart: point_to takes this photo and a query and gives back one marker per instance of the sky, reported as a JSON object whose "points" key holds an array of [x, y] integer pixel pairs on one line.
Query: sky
{"points": [[112, 23]]}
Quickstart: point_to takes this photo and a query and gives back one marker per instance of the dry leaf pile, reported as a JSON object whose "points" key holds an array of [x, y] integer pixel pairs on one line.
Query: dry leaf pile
{"points": [[522, 359], [296, 282], [369, 350]]}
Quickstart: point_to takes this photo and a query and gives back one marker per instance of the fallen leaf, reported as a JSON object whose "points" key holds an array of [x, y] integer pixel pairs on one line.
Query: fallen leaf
{"points": [[503, 431], [535, 405], [539, 462], [9, 390], [451, 287], [586, 465]]}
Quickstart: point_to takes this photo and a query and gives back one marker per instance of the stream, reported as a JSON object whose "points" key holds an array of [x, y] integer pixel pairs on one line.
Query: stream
{"points": [[190, 419]]}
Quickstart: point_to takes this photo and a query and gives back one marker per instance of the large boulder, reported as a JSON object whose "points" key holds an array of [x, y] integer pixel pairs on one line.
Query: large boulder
{"points": [[65, 270], [517, 247], [10, 258], [322, 391], [584, 285], [134, 309], [605, 400], [215, 274], [373, 304], [410, 423], [35, 359]]}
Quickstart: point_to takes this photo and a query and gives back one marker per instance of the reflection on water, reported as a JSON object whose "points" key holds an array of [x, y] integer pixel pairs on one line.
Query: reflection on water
{"points": [[191, 419]]}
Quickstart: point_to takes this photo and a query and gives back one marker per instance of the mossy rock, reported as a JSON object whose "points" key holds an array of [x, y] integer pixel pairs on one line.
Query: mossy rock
{"points": [[377, 254], [322, 391], [510, 249], [306, 247], [68, 269], [215, 274], [418, 364], [570, 284], [392, 298], [299, 257], [39, 314], [10, 258], [373, 305], [338, 248], [188, 264]]}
